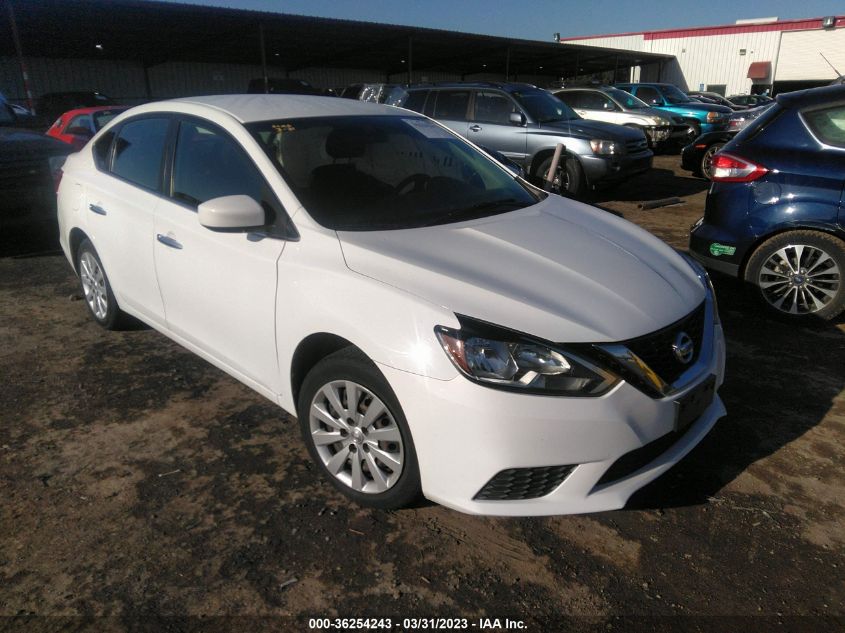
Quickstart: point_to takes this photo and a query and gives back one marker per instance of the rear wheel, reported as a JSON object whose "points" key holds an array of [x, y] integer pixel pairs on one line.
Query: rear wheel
{"points": [[96, 288], [707, 160], [800, 273], [356, 431]]}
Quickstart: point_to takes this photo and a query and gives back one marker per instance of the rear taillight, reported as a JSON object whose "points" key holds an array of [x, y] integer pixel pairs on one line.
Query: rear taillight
{"points": [[729, 168]]}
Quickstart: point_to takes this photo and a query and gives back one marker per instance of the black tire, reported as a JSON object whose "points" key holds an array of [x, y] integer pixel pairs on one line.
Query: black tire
{"points": [[820, 271], [707, 160], [350, 364], [693, 132], [110, 316], [569, 180]]}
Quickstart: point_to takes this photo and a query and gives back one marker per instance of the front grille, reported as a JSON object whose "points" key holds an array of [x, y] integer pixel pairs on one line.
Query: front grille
{"points": [[523, 483], [656, 351], [634, 147], [631, 462]]}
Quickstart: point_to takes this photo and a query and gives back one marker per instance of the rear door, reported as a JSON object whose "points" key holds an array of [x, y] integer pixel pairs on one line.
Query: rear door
{"points": [[492, 128], [121, 198], [451, 108], [219, 288], [827, 124]]}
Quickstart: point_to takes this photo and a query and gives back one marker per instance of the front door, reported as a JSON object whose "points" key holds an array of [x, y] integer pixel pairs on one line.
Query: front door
{"points": [[219, 288], [492, 128]]}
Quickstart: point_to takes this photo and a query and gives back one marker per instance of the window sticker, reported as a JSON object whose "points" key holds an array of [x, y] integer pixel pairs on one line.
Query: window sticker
{"points": [[427, 128]]}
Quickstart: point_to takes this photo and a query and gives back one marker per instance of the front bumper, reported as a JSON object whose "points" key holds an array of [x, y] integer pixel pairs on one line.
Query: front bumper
{"points": [[607, 169], [466, 434]]}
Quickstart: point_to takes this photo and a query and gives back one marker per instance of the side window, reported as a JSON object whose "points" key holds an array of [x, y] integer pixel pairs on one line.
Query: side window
{"points": [[452, 105], [101, 150], [83, 121], [649, 95], [828, 125], [416, 100], [210, 164], [138, 151], [570, 98], [492, 107]]}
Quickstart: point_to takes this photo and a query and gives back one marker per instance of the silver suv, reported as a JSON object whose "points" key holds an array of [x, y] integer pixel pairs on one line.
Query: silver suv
{"points": [[525, 124]]}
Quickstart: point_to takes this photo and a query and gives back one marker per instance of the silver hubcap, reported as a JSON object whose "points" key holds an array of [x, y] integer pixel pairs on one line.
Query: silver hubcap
{"points": [[356, 437], [94, 285], [799, 279], [707, 162]]}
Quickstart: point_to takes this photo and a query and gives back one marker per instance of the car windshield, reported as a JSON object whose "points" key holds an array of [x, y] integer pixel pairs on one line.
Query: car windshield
{"points": [[370, 173], [544, 107], [628, 101], [673, 94]]}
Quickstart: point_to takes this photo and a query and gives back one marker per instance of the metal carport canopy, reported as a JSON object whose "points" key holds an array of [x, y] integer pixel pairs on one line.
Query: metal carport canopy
{"points": [[158, 32]]}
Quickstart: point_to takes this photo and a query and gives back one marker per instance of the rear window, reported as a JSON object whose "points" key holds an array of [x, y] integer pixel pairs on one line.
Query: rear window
{"points": [[828, 125]]}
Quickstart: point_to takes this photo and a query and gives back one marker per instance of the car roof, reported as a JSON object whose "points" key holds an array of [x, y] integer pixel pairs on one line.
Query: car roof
{"points": [[92, 109], [502, 85], [812, 97], [264, 107]]}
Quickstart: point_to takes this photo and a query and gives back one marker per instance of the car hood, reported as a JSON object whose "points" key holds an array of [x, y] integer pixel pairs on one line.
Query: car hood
{"points": [[593, 129], [16, 142], [680, 108], [560, 270]]}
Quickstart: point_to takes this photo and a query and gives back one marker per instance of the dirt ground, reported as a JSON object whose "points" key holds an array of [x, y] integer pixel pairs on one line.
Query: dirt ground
{"points": [[141, 484]]}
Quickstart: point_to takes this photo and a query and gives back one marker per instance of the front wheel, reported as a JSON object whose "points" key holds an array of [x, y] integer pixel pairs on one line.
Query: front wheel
{"points": [[568, 179], [800, 273], [693, 132], [356, 431]]}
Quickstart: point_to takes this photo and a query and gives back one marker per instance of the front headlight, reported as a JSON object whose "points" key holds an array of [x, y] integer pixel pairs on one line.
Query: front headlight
{"points": [[604, 148], [712, 117], [662, 121], [497, 357]]}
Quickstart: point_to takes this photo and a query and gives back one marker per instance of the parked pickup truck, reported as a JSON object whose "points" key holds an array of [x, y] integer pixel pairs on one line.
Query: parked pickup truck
{"points": [[701, 117], [526, 123]]}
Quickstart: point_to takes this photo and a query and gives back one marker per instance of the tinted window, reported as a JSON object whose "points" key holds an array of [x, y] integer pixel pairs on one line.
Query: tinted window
{"points": [[386, 172], [493, 107], [828, 125], [416, 100], [596, 101], [451, 104], [101, 150], [209, 164], [138, 151], [649, 95], [543, 106], [572, 99], [627, 100]]}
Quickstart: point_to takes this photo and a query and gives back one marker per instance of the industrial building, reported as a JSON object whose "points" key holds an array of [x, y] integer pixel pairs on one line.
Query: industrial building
{"points": [[751, 56]]}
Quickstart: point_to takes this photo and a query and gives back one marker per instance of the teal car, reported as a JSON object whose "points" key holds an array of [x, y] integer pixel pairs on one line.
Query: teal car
{"points": [[701, 117]]}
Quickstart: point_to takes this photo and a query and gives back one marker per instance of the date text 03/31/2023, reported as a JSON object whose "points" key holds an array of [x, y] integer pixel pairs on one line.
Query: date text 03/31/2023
{"points": [[412, 624]]}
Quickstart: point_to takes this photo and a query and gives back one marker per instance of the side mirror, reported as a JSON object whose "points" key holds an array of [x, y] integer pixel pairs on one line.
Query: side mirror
{"points": [[78, 130], [517, 118], [231, 213]]}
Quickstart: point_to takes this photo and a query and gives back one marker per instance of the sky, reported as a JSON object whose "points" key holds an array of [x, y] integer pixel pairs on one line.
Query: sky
{"points": [[540, 19]]}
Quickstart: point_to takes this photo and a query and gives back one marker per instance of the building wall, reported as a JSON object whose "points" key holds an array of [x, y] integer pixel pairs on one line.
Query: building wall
{"points": [[707, 57]]}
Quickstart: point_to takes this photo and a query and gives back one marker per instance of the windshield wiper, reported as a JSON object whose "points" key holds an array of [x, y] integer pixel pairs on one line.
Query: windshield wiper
{"points": [[477, 210]]}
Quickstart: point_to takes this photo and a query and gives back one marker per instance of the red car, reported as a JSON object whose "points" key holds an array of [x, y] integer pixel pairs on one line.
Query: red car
{"points": [[76, 127]]}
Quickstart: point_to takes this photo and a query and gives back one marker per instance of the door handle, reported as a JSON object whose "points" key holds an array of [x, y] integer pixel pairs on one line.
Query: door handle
{"points": [[97, 209], [475, 128], [168, 241]]}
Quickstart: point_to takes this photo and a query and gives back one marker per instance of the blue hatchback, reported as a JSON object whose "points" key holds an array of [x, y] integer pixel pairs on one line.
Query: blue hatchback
{"points": [[774, 215]]}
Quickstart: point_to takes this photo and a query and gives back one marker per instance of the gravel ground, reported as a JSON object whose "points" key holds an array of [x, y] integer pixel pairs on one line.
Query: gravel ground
{"points": [[143, 489]]}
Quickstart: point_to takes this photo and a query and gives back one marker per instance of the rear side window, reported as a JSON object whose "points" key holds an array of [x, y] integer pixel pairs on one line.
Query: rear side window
{"points": [[572, 99], [451, 104], [138, 151], [209, 164], [828, 125], [102, 150], [416, 100]]}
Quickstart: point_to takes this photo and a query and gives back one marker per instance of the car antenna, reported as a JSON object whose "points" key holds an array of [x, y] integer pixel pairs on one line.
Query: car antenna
{"points": [[838, 74]]}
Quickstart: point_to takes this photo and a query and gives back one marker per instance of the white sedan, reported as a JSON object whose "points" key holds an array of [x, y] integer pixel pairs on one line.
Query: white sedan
{"points": [[438, 326]]}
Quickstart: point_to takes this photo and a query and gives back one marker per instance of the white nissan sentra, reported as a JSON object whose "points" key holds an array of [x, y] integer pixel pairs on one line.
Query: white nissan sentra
{"points": [[439, 326]]}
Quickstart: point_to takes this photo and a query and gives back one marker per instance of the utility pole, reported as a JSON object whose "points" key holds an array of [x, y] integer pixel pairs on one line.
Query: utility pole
{"points": [[19, 51]]}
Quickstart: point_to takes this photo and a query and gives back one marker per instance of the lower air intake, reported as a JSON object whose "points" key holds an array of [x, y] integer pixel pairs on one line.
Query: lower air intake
{"points": [[515, 484]]}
